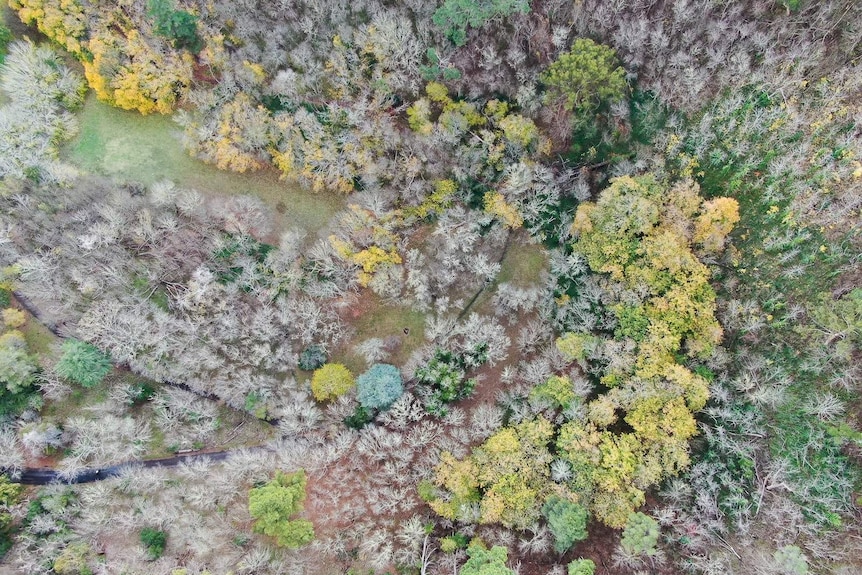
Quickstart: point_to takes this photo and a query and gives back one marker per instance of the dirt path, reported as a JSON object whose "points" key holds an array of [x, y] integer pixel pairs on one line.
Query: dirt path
{"points": [[44, 476]]}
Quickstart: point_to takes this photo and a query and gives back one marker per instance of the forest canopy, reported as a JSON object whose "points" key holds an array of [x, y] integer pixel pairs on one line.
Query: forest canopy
{"points": [[468, 286]]}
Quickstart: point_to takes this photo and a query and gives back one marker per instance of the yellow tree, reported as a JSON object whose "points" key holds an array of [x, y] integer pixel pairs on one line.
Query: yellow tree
{"points": [[131, 72], [642, 233], [63, 21]]}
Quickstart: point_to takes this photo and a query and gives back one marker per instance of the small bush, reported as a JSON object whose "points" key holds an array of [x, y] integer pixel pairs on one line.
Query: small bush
{"points": [[141, 393], [790, 560], [256, 405], [359, 419], [379, 387], [454, 17], [17, 367], [453, 543], [83, 363], [153, 541], [312, 358], [14, 318], [331, 381]]}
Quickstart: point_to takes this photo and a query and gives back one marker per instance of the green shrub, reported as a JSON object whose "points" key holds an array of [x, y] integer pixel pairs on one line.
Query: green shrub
{"points": [[5, 38], [83, 363], [272, 505], [153, 541], [10, 493], [312, 357], [379, 387]]}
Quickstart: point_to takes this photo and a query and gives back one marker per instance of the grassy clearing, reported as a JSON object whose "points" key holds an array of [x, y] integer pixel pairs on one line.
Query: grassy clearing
{"points": [[523, 265], [130, 147], [40, 340], [385, 321]]}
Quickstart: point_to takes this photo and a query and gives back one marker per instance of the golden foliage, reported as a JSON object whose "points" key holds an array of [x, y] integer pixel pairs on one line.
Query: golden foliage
{"points": [[63, 21], [128, 72], [331, 382], [496, 205], [716, 220]]}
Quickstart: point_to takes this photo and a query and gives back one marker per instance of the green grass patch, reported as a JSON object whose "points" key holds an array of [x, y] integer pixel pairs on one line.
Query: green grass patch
{"points": [[523, 265], [40, 340], [383, 321], [130, 147]]}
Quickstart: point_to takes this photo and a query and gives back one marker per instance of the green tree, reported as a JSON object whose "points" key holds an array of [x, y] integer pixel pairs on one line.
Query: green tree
{"points": [[83, 363], [331, 381], [486, 562], [73, 560], [178, 26], [567, 521], [272, 505], [640, 536], [455, 16], [588, 76], [445, 377], [557, 390], [312, 357], [508, 476], [582, 567], [379, 387]]}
